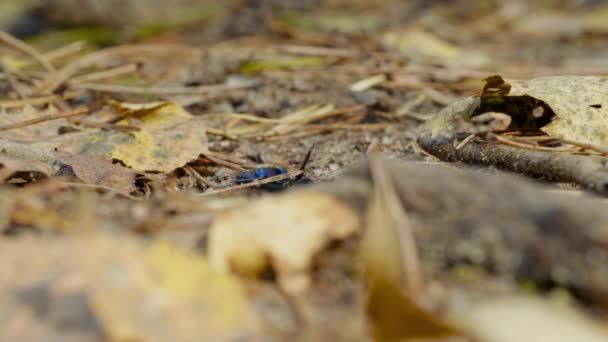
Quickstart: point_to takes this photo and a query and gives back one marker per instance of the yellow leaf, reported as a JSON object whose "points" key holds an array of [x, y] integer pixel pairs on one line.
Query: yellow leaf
{"points": [[190, 278], [284, 232], [169, 137]]}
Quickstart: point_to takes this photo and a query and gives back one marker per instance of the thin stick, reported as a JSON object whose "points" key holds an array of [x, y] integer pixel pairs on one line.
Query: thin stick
{"points": [[309, 50], [225, 163], [42, 119], [123, 89], [514, 143], [65, 50], [221, 133], [27, 49], [28, 100], [192, 171], [465, 141], [585, 146], [255, 183], [105, 74], [372, 126]]}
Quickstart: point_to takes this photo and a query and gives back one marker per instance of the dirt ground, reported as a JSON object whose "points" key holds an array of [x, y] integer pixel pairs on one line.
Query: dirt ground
{"points": [[111, 210]]}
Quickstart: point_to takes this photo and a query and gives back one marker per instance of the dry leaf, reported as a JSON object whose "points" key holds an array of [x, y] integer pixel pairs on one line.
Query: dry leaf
{"points": [[99, 171], [567, 107], [161, 293], [580, 104], [389, 256], [284, 232], [515, 319], [169, 137]]}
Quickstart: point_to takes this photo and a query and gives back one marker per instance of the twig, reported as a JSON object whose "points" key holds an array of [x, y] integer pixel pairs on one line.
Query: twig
{"points": [[514, 143], [585, 146], [192, 171], [28, 101], [65, 50], [224, 163], [105, 74], [308, 50], [27, 49], [406, 108], [255, 183], [465, 141], [586, 170], [42, 119], [124, 89]]}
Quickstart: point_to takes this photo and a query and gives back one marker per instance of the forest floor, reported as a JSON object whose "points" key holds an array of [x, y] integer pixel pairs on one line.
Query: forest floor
{"points": [[187, 171]]}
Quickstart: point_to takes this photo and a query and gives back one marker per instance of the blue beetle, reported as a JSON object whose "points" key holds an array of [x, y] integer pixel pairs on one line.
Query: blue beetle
{"points": [[267, 172], [257, 174]]}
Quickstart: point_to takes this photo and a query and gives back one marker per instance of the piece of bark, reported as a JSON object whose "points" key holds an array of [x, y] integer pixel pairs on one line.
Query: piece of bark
{"points": [[591, 172], [505, 225]]}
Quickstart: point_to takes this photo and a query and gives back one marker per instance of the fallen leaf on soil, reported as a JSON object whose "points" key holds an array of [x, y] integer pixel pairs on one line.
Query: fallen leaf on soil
{"points": [[515, 319], [169, 137], [567, 107], [99, 171], [284, 232]]}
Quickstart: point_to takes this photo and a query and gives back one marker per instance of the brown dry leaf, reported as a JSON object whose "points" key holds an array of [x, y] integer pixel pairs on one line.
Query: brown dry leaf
{"points": [[389, 256], [99, 171], [284, 232], [515, 319], [169, 137]]}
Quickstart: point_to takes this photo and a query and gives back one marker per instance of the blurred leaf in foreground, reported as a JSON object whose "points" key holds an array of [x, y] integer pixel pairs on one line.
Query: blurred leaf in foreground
{"points": [[162, 293], [389, 256], [515, 319], [283, 232]]}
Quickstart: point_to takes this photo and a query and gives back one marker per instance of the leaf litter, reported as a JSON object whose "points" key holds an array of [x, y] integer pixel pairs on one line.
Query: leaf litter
{"points": [[120, 168]]}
